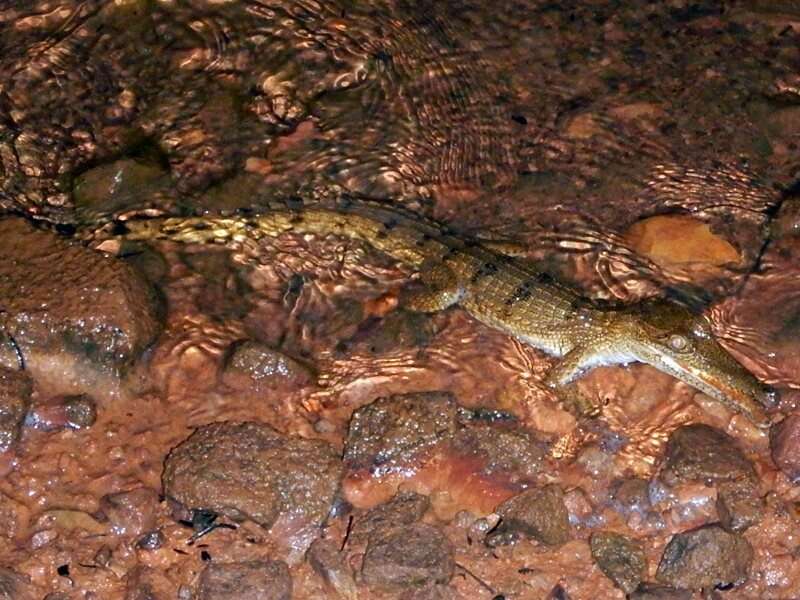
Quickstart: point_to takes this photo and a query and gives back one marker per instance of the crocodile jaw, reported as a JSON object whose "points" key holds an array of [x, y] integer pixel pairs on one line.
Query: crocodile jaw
{"points": [[710, 369]]}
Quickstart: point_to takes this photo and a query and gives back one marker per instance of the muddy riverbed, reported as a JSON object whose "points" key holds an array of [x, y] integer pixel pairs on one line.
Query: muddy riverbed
{"points": [[270, 420]]}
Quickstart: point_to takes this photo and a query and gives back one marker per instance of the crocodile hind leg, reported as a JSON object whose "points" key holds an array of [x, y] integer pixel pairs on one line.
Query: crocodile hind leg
{"points": [[561, 380], [438, 288]]}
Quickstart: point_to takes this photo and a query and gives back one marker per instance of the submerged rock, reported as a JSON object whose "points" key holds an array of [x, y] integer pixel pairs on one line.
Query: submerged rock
{"points": [[253, 580], [705, 557], [621, 559], [678, 239], [408, 556], [392, 428], [249, 470], [258, 367], [117, 186], [400, 329], [538, 513], [15, 398], [60, 295]]}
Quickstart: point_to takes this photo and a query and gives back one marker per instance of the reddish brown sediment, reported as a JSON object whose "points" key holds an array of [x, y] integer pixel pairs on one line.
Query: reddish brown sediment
{"points": [[629, 149]]}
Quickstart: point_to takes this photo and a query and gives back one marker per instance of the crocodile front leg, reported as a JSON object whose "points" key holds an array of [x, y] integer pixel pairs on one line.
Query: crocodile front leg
{"points": [[561, 380]]}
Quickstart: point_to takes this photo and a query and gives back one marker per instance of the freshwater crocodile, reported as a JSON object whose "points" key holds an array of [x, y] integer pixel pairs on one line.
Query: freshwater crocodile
{"points": [[503, 291]]}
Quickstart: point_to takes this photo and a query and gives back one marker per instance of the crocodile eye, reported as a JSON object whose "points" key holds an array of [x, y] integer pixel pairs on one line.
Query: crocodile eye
{"points": [[678, 342]]}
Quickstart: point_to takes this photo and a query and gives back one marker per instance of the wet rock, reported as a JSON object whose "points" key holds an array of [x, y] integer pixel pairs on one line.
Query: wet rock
{"points": [[254, 580], [406, 556], [705, 557], [404, 509], [77, 411], [538, 513], [631, 495], [621, 559], [784, 442], [653, 591], [255, 366], [14, 586], [508, 450], [131, 513], [60, 295], [328, 562], [739, 505], [15, 398], [249, 470], [700, 453], [397, 427]]}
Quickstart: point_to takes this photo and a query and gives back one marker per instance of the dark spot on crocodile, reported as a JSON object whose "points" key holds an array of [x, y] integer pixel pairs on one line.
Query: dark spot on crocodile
{"points": [[486, 269], [251, 224], [119, 228], [381, 235], [201, 226], [296, 219], [519, 119], [390, 223], [522, 292], [422, 240]]}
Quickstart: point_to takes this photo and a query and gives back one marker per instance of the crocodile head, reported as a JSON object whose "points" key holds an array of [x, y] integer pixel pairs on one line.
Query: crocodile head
{"points": [[680, 343]]}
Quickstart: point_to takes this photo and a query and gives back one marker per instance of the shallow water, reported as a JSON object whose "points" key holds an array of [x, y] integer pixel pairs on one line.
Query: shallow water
{"points": [[632, 150]]}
